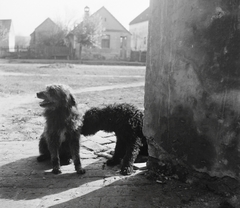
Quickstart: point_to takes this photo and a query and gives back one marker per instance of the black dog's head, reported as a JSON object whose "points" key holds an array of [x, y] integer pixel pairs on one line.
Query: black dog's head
{"points": [[91, 122], [56, 96]]}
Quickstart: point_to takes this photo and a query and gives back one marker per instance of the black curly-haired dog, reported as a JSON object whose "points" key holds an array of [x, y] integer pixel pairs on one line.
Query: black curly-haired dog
{"points": [[60, 140], [126, 121]]}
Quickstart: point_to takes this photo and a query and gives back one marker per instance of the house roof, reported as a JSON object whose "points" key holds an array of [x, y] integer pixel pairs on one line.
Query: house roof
{"points": [[45, 21], [144, 16], [6, 23], [111, 29], [116, 28]]}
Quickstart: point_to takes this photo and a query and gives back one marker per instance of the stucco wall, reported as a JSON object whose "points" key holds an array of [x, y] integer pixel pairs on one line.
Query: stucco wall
{"points": [[192, 90], [109, 22], [11, 39], [113, 52], [139, 36]]}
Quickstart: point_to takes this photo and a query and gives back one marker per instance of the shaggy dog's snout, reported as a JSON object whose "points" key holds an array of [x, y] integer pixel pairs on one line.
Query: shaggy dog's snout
{"points": [[44, 96], [39, 94]]}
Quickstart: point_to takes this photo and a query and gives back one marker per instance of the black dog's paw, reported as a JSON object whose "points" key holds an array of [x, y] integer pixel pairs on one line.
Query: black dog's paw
{"points": [[128, 170], [112, 162], [81, 171], [42, 158], [56, 171]]}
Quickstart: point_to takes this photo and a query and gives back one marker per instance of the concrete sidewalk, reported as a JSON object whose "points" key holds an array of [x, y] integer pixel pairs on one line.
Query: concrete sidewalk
{"points": [[26, 183]]}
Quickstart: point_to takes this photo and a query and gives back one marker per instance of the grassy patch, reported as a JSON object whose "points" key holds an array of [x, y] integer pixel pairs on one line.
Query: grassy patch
{"points": [[30, 78]]}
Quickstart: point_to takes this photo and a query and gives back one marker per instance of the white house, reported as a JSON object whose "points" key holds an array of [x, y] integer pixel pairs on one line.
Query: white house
{"points": [[138, 27], [114, 42], [7, 37]]}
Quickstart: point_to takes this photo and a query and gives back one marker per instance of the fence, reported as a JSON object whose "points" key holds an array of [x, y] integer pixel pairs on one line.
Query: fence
{"points": [[4, 52], [44, 52], [62, 52], [139, 56]]}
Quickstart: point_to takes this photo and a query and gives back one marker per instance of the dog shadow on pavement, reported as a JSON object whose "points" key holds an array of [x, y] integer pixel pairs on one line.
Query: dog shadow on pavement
{"points": [[28, 179]]}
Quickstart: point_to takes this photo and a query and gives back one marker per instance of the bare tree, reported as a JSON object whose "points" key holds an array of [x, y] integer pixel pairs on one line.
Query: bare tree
{"points": [[89, 32], [55, 38], [3, 33], [22, 41]]}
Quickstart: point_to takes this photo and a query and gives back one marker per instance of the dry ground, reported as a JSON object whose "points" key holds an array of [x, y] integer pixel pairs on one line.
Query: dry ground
{"points": [[26, 183]]}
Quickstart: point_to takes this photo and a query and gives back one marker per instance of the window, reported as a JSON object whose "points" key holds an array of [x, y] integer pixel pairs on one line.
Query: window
{"points": [[145, 41], [123, 41], [106, 41]]}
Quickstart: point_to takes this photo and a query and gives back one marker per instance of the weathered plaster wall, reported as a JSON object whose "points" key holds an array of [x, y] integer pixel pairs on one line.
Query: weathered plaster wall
{"points": [[139, 33], [192, 91]]}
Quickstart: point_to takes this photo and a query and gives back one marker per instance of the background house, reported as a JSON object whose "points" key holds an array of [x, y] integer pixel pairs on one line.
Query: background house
{"points": [[47, 41], [114, 42], [138, 27], [45, 29], [7, 37]]}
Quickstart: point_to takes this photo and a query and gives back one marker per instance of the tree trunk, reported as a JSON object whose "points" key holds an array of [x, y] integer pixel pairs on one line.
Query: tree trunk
{"points": [[80, 51]]}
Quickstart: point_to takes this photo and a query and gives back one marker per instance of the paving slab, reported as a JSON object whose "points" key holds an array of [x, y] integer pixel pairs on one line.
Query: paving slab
{"points": [[99, 139], [105, 134], [94, 146], [111, 146], [87, 154], [112, 138]]}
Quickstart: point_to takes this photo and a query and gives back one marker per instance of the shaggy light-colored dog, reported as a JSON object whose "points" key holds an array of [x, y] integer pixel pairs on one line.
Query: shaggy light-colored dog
{"points": [[60, 140]]}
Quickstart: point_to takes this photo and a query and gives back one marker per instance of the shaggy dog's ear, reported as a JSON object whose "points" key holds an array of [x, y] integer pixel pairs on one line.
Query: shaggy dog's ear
{"points": [[73, 102]]}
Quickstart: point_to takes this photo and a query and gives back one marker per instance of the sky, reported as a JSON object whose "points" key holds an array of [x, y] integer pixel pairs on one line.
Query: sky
{"points": [[29, 14]]}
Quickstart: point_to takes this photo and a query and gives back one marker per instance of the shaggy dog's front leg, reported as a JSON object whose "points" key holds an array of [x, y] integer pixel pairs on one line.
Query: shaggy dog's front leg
{"points": [[53, 146], [130, 156], [74, 148], [43, 149]]}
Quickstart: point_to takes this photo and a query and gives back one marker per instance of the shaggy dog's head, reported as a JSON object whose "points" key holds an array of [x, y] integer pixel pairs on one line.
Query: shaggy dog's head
{"points": [[91, 122], [56, 96]]}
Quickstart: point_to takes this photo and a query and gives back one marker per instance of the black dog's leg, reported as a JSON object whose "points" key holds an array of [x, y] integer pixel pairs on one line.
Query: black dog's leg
{"points": [[130, 156], [43, 150], [119, 152], [74, 148], [53, 147]]}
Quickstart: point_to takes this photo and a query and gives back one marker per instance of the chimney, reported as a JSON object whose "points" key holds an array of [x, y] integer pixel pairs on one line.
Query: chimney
{"points": [[86, 12]]}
